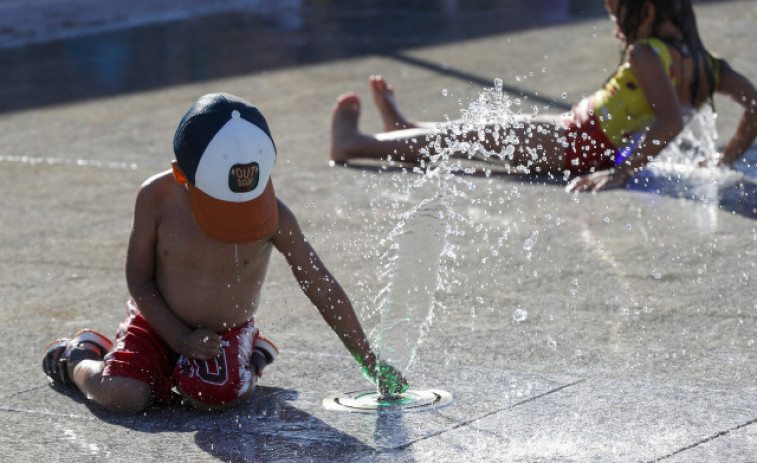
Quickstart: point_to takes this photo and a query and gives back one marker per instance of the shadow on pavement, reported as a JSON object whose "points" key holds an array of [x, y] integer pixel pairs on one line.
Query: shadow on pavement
{"points": [[268, 428], [736, 196]]}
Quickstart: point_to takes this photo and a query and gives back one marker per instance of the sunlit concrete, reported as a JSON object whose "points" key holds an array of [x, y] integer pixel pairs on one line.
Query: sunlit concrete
{"points": [[624, 331]]}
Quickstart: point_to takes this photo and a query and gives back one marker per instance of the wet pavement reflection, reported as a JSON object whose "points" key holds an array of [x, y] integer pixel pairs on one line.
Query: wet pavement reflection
{"points": [[68, 56]]}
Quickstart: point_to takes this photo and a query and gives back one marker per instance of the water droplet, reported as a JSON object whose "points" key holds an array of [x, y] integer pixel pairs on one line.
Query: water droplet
{"points": [[528, 245], [520, 315]]}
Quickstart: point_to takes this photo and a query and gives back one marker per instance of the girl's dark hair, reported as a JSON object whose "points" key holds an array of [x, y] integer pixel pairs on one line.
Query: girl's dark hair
{"points": [[681, 14]]}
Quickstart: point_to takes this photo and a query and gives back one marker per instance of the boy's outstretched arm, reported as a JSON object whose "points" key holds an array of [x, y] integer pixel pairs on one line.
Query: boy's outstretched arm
{"points": [[329, 298]]}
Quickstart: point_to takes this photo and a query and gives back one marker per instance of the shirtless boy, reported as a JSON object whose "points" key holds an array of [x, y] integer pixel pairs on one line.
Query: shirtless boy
{"points": [[198, 253]]}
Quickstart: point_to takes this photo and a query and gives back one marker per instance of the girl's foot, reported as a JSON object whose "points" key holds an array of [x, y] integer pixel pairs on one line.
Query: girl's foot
{"points": [[345, 137], [383, 97]]}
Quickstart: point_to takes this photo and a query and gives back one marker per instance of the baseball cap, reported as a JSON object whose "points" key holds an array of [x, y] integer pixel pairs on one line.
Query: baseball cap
{"points": [[224, 149]]}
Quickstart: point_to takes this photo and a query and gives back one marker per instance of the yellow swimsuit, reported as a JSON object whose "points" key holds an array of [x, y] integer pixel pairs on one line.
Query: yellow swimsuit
{"points": [[621, 110], [621, 106]]}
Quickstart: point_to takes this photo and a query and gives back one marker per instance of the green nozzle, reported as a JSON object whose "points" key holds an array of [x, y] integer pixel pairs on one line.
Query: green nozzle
{"points": [[389, 381]]}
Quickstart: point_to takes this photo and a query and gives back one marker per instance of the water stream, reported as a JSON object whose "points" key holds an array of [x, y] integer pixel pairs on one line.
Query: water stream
{"points": [[419, 258]]}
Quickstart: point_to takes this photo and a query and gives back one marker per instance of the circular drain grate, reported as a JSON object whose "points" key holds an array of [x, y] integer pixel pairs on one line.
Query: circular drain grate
{"points": [[414, 400]]}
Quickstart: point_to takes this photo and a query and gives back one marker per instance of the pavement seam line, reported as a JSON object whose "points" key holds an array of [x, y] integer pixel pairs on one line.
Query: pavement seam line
{"points": [[707, 439], [44, 413], [23, 391], [485, 415]]}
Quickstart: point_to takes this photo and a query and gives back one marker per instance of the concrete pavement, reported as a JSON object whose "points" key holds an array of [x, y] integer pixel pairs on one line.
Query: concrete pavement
{"points": [[612, 327]]}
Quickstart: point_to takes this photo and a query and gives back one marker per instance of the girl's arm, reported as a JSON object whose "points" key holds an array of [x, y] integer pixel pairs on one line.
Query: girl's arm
{"points": [[668, 121], [742, 91]]}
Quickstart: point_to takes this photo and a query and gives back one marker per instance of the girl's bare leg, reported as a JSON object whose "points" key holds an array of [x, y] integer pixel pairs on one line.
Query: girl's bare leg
{"points": [[347, 142], [539, 148], [383, 97]]}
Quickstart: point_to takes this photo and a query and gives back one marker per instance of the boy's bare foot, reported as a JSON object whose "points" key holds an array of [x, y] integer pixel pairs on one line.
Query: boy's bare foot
{"points": [[383, 97], [345, 136]]}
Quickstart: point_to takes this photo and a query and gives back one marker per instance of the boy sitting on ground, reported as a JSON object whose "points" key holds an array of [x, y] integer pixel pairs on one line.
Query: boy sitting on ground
{"points": [[198, 253]]}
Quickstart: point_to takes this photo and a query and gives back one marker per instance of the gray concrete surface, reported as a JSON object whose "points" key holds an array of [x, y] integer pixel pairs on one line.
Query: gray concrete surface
{"points": [[638, 342]]}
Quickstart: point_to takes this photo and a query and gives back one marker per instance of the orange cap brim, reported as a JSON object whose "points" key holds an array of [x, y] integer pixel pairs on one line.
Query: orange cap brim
{"points": [[232, 222]]}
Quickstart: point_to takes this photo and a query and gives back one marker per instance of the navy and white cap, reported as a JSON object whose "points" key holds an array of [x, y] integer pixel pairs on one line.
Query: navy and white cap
{"points": [[225, 151]]}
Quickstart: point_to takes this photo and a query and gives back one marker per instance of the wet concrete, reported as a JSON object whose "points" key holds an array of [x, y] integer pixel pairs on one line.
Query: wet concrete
{"points": [[635, 339]]}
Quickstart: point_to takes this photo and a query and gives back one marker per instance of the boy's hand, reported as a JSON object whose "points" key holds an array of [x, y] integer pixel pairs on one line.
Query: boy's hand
{"points": [[388, 379], [201, 344]]}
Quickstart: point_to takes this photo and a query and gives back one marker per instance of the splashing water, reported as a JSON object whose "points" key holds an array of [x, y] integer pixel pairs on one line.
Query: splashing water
{"points": [[418, 265], [687, 166], [520, 315], [696, 143], [413, 266]]}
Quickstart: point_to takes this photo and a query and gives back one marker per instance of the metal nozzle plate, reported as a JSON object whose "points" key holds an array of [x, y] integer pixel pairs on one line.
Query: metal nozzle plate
{"points": [[413, 400]]}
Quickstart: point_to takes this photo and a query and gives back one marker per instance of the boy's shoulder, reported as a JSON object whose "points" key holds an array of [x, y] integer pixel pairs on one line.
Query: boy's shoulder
{"points": [[161, 182], [159, 188], [156, 180], [286, 216], [287, 230]]}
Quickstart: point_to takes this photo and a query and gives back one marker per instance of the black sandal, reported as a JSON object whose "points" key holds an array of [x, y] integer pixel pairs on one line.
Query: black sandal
{"points": [[263, 354], [86, 345]]}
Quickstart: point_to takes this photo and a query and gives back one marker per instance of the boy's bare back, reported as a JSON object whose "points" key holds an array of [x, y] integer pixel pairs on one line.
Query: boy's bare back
{"points": [[205, 282]]}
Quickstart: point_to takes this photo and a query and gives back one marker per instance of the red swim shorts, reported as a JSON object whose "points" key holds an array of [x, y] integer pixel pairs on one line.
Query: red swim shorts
{"points": [[588, 148], [222, 379], [141, 354]]}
